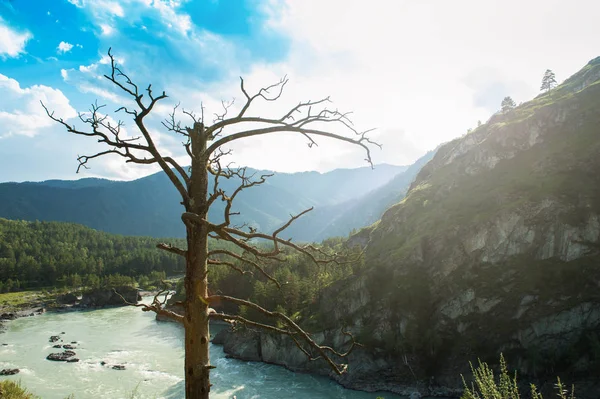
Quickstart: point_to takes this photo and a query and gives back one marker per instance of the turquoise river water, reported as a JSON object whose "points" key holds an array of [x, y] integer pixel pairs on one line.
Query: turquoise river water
{"points": [[152, 353]]}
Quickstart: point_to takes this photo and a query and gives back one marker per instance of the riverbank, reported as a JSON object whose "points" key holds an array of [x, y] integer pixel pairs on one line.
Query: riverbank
{"points": [[365, 373], [14, 305]]}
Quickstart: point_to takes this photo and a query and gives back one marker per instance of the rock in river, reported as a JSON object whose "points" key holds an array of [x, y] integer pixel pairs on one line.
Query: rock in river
{"points": [[61, 357], [9, 371]]}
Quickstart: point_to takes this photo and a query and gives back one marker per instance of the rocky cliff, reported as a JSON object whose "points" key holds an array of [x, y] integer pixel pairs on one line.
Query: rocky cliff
{"points": [[118, 296], [496, 248]]}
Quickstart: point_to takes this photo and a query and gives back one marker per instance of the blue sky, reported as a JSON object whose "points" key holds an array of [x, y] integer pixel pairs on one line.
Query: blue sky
{"points": [[421, 72]]}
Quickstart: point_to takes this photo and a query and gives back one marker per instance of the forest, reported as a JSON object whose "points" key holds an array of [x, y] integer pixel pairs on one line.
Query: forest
{"points": [[54, 254]]}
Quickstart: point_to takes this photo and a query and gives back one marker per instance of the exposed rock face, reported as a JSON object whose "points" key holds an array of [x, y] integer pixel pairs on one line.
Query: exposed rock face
{"points": [[67, 299], [369, 373], [496, 248], [110, 297]]}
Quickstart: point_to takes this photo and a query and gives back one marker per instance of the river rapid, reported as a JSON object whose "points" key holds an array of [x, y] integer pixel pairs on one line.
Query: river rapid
{"points": [[152, 353]]}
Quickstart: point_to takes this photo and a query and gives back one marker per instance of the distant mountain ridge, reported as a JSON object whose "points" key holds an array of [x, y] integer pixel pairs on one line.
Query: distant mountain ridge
{"points": [[150, 206]]}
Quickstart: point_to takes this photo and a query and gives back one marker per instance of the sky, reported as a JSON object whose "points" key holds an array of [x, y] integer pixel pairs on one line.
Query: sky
{"points": [[421, 72]]}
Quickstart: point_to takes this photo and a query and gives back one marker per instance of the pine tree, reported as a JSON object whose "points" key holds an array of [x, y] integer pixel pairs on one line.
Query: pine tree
{"points": [[508, 104], [548, 81]]}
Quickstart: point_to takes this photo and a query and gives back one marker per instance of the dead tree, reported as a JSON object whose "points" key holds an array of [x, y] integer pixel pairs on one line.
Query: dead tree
{"points": [[204, 146]]}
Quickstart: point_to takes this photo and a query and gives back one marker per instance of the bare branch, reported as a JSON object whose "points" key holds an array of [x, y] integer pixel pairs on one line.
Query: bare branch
{"points": [[235, 318], [241, 238], [172, 249], [362, 141], [261, 93], [156, 306], [293, 328], [110, 134], [245, 260], [229, 264]]}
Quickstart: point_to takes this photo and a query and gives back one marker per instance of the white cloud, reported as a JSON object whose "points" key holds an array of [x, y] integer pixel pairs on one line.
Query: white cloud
{"points": [[12, 43], [168, 12], [89, 79], [420, 72], [21, 112], [64, 47], [106, 29], [428, 69], [105, 13], [112, 7]]}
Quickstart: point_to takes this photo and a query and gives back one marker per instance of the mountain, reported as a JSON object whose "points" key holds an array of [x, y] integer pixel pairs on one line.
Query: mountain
{"points": [[495, 249], [343, 218], [150, 206]]}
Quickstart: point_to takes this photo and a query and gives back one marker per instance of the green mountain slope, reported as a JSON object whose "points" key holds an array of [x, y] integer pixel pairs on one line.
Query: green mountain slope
{"points": [[341, 219], [495, 248], [150, 206], [41, 253]]}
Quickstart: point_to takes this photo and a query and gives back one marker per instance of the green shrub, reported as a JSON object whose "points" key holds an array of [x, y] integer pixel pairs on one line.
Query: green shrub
{"points": [[12, 390], [485, 385]]}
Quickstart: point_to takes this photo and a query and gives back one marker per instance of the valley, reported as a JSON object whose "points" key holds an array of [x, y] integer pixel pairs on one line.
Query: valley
{"points": [[238, 232]]}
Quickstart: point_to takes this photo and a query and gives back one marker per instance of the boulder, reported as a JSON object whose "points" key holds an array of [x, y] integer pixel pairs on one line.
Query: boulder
{"points": [[118, 367], [8, 316], [54, 338], [61, 357], [9, 371], [67, 346]]}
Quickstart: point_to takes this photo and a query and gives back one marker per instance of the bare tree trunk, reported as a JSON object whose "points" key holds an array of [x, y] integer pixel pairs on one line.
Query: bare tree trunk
{"points": [[197, 361], [193, 188]]}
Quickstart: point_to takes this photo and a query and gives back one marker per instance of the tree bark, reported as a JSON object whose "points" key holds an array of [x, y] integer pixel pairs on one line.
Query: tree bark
{"points": [[197, 335]]}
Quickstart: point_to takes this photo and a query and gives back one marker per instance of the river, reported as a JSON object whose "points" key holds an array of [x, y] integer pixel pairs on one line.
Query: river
{"points": [[152, 353]]}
